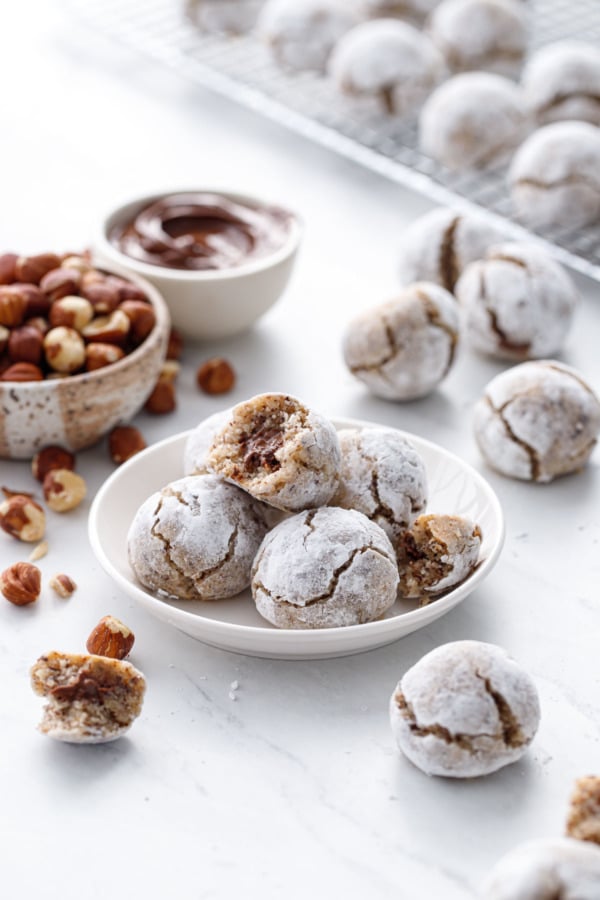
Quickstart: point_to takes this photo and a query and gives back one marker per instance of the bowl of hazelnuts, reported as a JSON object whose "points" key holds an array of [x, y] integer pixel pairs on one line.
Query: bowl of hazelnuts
{"points": [[81, 348]]}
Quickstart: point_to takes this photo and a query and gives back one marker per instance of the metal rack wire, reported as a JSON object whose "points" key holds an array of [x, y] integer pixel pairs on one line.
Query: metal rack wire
{"points": [[242, 69]]}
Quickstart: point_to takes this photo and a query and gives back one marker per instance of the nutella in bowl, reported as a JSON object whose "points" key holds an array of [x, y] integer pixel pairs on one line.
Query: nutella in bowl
{"points": [[220, 259]]}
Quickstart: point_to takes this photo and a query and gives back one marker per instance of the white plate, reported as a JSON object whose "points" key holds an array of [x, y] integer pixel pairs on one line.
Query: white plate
{"points": [[454, 487]]}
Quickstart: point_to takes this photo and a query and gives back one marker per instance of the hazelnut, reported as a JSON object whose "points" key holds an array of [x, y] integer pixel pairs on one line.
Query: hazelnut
{"points": [[60, 282], [22, 371], [37, 303], [26, 344], [62, 585], [23, 518], [127, 289], [98, 355], [215, 376], [12, 306], [72, 312], [51, 457], [103, 297], [175, 345], [4, 335], [64, 348], [7, 268], [80, 263], [8, 493], [21, 583], [33, 268], [169, 371], [125, 441], [141, 316], [110, 638], [162, 399], [110, 329], [63, 489], [39, 322]]}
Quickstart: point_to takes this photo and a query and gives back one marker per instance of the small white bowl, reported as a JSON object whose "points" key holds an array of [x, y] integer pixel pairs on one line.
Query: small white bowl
{"points": [[215, 303]]}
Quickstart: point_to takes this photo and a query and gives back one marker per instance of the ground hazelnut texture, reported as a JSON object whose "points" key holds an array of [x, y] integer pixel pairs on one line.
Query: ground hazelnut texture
{"points": [[465, 709], [583, 822], [551, 869], [537, 421], [196, 539], [91, 699], [278, 450], [324, 568], [435, 555]]}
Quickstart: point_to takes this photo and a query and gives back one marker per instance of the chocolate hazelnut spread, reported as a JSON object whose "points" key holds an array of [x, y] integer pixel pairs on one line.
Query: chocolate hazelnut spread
{"points": [[260, 449], [201, 231]]}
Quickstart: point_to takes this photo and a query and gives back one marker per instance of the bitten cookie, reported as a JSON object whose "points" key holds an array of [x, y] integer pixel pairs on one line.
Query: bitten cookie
{"points": [[583, 821], [537, 421], [382, 476], [465, 709], [196, 539], [548, 869], [324, 568], [489, 35], [388, 60], [561, 81], [402, 349], [199, 442], [473, 120], [439, 245], [224, 16], [91, 699], [554, 176], [517, 303], [302, 35], [436, 554]]}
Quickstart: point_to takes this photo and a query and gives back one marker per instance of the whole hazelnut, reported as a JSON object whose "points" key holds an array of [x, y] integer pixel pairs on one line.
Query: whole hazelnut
{"points": [[21, 583], [103, 297], [23, 518], [64, 349], [110, 638], [110, 329], [125, 441], [22, 371], [215, 376], [162, 399], [4, 336], [98, 355], [77, 262], [72, 312], [63, 489], [127, 289], [26, 344], [7, 268], [61, 282], [51, 457], [12, 306], [33, 268], [175, 344], [39, 322], [141, 316], [37, 303]]}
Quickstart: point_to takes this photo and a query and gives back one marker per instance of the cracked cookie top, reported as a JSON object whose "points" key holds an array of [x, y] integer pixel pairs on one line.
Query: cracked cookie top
{"points": [[324, 568], [561, 81], [548, 869], [195, 539], [517, 303], [302, 35], [463, 710], [536, 421], [279, 451], [403, 348], [382, 476]]}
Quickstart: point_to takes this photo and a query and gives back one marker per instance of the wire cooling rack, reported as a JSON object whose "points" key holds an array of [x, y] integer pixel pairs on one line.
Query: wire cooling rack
{"points": [[242, 69]]}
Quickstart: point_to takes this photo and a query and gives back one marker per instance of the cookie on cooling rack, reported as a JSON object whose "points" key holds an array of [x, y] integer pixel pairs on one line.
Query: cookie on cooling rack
{"points": [[301, 36], [223, 16], [561, 81]]}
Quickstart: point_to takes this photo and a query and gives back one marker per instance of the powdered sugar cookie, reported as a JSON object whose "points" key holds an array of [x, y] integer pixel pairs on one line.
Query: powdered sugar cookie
{"points": [[324, 568], [438, 246], [463, 710], [547, 869], [489, 35], [227, 16], [199, 442], [537, 421], [554, 176], [279, 451], [561, 81], [473, 120], [410, 10], [517, 303], [435, 554], [404, 348], [302, 35], [382, 476], [196, 539], [388, 60]]}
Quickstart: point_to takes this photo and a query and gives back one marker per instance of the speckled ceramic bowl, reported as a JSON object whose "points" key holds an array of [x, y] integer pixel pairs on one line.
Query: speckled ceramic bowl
{"points": [[78, 410]]}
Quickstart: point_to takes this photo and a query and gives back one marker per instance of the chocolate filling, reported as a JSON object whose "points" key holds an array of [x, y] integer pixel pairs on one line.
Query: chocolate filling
{"points": [[259, 449]]}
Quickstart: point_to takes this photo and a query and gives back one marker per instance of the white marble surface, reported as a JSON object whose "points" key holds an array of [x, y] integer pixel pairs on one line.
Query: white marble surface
{"points": [[294, 788]]}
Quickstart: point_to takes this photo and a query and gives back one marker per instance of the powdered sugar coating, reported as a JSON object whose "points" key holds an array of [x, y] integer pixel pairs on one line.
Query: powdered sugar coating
{"points": [[554, 176], [200, 440], [382, 476], [536, 421], [438, 246], [517, 303], [302, 35], [435, 554], [324, 568], [411, 10], [546, 869], [561, 81], [480, 34], [279, 451], [473, 120], [195, 539], [389, 60], [463, 710], [403, 349], [226, 16]]}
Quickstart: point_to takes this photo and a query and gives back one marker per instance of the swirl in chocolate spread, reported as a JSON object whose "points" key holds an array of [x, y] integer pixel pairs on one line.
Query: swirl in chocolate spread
{"points": [[201, 231]]}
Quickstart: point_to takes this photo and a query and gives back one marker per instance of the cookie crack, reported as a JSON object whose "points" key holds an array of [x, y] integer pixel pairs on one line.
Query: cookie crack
{"points": [[558, 99], [231, 544], [392, 352], [155, 532], [434, 318], [512, 734], [573, 375], [381, 509], [534, 460], [458, 739], [448, 264], [579, 179], [503, 339]]}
